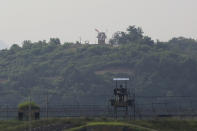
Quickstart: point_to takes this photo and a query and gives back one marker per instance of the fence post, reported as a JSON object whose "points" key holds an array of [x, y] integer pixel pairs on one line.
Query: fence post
{"points": [[192, 111], [47, 101], [6, 112]]}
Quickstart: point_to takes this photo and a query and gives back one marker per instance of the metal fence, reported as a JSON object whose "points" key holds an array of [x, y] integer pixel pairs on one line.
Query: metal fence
{"points": [[141, 111], [145, 107]]}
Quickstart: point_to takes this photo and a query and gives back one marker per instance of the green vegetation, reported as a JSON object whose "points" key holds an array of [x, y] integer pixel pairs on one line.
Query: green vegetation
{"points": [[82, 74], [169, 125], [6, 125], [154, 125], [25, 106], [24, 125], [83, 124], [109, 126]]}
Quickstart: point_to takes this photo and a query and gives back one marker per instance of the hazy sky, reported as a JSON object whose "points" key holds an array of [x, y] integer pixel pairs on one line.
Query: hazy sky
{"points": [[71, 19]]}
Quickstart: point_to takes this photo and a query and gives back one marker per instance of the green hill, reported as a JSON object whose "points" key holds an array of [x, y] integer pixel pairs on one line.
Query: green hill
{"points": [[75, 73]]}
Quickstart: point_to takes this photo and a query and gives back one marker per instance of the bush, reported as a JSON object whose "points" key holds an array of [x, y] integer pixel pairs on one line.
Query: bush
{"points": [[25, 106]]}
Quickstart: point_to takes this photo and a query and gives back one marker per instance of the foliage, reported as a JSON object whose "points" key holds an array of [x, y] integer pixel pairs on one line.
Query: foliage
{"points": [[15, 125], [82, 74], [25, 106], [133, 35], [169, 125], [82, 123]]}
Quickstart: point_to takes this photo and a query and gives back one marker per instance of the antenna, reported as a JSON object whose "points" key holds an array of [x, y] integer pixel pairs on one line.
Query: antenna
{"points": [[80, 39]]}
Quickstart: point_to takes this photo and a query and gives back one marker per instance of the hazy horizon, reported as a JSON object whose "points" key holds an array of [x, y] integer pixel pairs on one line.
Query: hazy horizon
{"points": [[71, 19]]}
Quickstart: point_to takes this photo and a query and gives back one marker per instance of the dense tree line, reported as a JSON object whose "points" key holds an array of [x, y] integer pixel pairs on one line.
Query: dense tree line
{"points": [[74, 73]]}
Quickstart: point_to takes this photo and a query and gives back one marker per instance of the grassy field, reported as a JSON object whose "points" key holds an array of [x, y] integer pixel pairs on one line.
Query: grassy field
{"points": [[97, 124], [110, 126], [41, 124]]}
